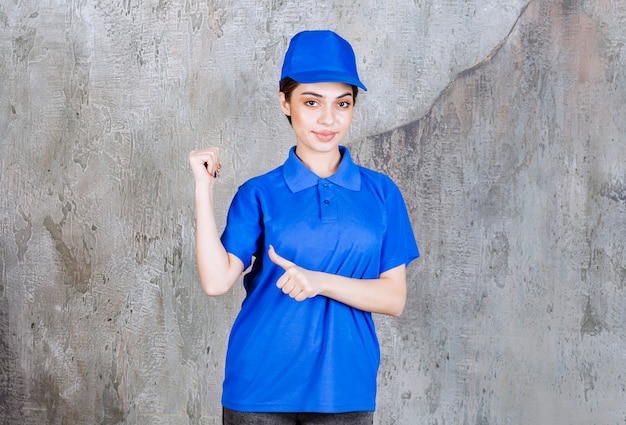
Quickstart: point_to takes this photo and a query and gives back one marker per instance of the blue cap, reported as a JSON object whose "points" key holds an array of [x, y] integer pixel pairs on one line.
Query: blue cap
{"points": [[320, 57]]}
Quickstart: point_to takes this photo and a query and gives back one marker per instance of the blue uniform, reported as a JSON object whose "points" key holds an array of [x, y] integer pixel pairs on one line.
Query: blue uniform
{"points": [[318, 355]]}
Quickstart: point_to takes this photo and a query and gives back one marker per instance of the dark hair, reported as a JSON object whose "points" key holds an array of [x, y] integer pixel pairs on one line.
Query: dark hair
{"points": [[288, 85]]}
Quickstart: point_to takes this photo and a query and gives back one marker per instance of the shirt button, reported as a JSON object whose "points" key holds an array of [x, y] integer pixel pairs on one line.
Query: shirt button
{"points": [[326, 201], [325, 185]]}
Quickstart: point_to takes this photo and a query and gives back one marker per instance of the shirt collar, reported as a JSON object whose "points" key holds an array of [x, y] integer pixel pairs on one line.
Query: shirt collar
{"points": [[299, 177]]}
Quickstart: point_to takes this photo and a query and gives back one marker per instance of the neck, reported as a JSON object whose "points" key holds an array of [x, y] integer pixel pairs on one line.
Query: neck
{"points": [[323, 164]]}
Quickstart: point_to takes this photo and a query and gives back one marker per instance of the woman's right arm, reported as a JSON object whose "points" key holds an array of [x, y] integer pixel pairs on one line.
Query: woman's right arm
{"points": [[218, 269]]}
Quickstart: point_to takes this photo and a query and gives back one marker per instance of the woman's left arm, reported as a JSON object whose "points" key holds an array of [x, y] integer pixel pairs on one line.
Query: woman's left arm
{"points": [[385, 295]]}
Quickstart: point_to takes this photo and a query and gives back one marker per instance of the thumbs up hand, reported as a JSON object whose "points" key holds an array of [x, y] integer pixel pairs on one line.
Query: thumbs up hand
{"points": [[297, 282]]}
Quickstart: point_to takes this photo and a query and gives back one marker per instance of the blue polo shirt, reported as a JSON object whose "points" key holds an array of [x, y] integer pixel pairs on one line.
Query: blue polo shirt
{"points": [[318, 355]]}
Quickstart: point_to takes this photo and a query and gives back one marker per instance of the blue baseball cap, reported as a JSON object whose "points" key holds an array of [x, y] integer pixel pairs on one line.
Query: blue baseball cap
{"points": [[320, 56]]}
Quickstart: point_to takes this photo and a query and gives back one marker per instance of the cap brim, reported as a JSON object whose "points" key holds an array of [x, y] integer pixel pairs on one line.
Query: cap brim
{"points": [[326, 77]]}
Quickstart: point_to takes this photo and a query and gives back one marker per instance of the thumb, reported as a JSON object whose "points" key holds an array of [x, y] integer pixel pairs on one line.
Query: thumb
{"points": [[278, 260]]}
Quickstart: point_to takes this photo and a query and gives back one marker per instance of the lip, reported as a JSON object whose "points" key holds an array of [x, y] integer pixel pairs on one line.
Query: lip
{"points": [[325, 136]]}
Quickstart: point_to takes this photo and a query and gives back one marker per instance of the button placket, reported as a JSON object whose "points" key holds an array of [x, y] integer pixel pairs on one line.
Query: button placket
{"points": [[327, 204]]}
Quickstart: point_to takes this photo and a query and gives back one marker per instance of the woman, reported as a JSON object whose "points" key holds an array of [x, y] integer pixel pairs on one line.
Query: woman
{"points": [[330, 242]]}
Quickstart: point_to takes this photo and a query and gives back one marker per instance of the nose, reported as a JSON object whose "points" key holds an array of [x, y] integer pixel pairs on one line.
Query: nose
{"points": [[327, 115]]}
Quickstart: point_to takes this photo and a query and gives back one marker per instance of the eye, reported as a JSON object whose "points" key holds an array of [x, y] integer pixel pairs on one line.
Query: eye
{"points": [[344, 104], [310, 102]]}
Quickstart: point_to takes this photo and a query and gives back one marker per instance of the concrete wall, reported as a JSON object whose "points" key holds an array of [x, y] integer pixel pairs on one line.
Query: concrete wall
{"points": [[503, 123]]}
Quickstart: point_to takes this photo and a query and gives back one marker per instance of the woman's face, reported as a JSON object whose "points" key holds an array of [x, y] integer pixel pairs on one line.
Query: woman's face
{"points": [[321, 115]]}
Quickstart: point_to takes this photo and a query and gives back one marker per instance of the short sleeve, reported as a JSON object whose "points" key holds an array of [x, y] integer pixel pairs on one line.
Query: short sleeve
{"points": [[243, 231], [399, 245]]}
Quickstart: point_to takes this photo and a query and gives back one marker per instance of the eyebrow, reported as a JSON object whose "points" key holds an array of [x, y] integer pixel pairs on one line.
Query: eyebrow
{"points": [[309, 93]]}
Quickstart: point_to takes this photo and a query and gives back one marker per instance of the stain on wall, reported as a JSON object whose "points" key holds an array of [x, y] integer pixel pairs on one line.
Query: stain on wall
{"points": [[501, 122]]}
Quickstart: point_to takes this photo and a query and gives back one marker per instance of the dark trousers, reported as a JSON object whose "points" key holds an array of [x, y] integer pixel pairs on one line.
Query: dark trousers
{"points": [[232, 417]]}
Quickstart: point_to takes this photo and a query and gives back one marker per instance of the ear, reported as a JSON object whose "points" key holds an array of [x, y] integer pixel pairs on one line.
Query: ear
{"points": [[284, 104]]}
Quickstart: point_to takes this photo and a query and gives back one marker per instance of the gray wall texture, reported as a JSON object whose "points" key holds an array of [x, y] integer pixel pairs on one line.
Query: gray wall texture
{"points": [[503, 122]]}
